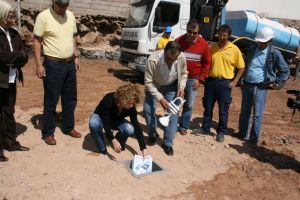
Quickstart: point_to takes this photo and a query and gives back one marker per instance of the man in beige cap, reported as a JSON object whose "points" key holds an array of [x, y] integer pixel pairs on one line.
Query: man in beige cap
{"points": [[54, 30]]}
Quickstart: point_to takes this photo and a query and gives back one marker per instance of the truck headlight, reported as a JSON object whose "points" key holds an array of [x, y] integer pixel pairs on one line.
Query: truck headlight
{"points": [[141, 60]]}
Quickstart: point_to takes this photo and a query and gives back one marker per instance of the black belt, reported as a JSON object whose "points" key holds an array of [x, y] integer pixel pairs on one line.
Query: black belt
{"points": [[257, 84], [218, 78], [64, 60]]}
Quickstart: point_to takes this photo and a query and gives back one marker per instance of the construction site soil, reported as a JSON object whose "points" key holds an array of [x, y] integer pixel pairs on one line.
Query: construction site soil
{"points": [[201, 168]]}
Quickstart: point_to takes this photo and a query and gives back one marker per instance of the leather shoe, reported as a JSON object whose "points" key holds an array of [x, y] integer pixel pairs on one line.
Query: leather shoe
{"points": [[22, 148], [151, 141], [3, 158], [168, 150], [49, 140], [74, 133], [183, 132]]}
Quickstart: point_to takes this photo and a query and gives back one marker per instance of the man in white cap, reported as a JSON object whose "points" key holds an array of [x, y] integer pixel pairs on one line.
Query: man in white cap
{"points": [[55, 29], [265, 69]]}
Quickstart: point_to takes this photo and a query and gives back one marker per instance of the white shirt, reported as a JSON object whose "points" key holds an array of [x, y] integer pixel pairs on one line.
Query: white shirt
{"points": [[12, 71], [167, 75]]}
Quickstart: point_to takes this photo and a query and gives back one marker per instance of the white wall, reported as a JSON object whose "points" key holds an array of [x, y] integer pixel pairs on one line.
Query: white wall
{"points": [[286, 9]]}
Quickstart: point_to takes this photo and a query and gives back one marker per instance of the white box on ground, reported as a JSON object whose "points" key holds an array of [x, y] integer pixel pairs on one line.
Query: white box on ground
{"points": [[142, 165]]}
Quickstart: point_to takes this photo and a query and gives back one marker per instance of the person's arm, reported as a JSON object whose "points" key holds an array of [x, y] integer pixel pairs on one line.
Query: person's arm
{"points": [[77, 63], [37, 46], [106, 111], [240, 65], [205, 63], [137, 129], [283, 72], [159, 45], [237, 77], [21, 48], [183, 76], [149, 82]]}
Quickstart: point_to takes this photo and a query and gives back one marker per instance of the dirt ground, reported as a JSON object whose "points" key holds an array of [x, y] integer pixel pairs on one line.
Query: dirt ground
{"points": [[201, 168]]}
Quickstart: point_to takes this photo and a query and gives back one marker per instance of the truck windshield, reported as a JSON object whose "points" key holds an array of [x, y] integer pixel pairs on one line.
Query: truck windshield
{"points": [[139, 13]]}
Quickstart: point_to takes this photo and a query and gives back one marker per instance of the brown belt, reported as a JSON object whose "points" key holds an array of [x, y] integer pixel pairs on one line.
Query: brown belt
{"points": [[64, 60]]}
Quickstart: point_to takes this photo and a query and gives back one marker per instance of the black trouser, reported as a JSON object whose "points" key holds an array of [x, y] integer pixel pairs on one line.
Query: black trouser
{"points": [[8, 133], [60, 80]]}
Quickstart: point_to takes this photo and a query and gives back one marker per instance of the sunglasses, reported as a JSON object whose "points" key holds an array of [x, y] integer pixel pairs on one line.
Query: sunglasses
{"points": [[193, 33]]}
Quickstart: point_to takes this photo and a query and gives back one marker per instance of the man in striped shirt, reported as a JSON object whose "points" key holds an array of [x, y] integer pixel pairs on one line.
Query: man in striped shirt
{"points": [[197, 53]]}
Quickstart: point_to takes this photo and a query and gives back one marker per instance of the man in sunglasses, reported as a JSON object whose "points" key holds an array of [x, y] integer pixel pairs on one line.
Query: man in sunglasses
{"points": [[54, 30], [165, 79], [196, 51]]}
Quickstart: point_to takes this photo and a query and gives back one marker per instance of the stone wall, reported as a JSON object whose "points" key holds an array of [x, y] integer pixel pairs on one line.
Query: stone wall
{"points": [[117, 8]]}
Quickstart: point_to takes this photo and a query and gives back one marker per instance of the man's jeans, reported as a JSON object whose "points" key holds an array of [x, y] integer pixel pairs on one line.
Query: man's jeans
{"points": [[96, 128], [253, 95], [190, 96], [216, 90], [169, 92], [60, 80]]}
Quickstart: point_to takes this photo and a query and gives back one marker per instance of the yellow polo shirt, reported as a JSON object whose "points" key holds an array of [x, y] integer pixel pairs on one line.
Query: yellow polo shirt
{"points": [[57, 32], [225, 61], [162, 42]]}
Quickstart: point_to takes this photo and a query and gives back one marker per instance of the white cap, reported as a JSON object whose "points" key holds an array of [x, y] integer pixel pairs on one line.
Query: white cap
{"points": [[264, 35]]}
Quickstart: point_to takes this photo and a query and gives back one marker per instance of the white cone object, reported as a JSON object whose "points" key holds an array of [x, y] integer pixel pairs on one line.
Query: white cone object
{"points": [[165, 120]]}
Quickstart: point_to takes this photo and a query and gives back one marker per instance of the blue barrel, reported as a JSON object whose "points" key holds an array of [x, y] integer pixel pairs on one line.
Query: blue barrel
{"points": [[247, 23]]}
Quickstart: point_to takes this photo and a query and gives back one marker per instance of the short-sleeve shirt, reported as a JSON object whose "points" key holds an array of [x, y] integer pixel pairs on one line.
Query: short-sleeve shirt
{"points": [[224, 61], [162, 42], [57, 32]]}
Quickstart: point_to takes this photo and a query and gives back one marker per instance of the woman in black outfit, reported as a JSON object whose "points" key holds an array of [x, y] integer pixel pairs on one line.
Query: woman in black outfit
{"points": [[110, 115], [12, 58]]}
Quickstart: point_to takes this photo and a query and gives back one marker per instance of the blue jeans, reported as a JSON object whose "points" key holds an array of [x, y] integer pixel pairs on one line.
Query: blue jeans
{"points": [[169, 92], [216, 90], [190, 96], [253, 96], [96, 128], [60, 80]]}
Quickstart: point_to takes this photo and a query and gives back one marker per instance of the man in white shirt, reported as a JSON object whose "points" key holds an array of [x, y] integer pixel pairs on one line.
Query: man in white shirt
{"points": [[165, 79]]}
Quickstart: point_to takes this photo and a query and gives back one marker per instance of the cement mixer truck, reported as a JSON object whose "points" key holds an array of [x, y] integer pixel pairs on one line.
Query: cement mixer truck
{"points": [[148, 18]]}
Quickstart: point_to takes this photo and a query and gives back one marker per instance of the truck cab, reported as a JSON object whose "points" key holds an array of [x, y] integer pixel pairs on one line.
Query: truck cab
{"points": [[148, 18], [145, 25]]}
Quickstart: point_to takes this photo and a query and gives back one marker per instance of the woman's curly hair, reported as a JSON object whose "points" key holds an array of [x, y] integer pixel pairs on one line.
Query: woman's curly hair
{"points": [[128, 91]]}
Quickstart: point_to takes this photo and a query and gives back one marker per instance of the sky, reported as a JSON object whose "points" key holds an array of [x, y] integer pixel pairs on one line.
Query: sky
{"points": [[286, 9]]}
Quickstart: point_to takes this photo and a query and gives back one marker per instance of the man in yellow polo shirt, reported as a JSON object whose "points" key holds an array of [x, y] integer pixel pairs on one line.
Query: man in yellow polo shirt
{"points": [[54, 30], [226, 57], [163, 41]]}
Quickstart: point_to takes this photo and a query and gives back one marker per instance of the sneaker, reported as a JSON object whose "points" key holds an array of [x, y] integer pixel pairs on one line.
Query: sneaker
{"points": [[220, 137], [200, 131]]}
